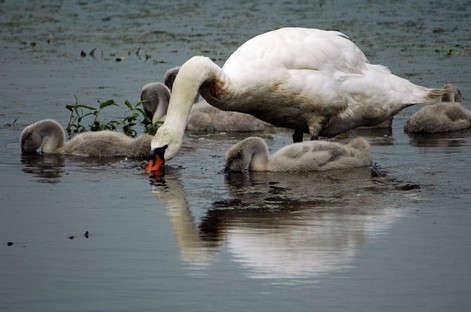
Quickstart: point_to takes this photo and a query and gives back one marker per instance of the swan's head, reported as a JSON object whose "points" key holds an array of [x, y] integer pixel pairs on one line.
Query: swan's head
{"points": [[164, 146]]}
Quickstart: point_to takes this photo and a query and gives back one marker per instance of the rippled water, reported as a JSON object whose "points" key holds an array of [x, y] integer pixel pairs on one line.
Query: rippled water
{"points": [[198, 240]]}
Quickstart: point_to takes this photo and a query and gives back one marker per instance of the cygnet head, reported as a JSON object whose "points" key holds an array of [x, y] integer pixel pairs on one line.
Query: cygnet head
{"points": [[248, 154], [46, 134], [30, 140], [170, 75], [155, 97]]}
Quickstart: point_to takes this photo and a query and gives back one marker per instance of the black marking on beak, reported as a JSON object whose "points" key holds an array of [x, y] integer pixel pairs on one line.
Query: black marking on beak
{"points": [[158, 151]]}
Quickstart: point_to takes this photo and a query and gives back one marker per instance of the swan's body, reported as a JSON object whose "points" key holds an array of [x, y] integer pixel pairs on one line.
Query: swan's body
{"points": [[48, 136], [203, 117], [252, 154], [309, 80], [444, 117]]}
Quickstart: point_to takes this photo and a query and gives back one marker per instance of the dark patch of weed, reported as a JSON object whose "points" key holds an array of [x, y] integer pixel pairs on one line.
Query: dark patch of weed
{"points": [[89, 118]]}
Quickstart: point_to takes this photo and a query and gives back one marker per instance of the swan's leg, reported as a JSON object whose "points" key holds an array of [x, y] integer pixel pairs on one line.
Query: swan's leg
{"points": [[298, 135], [315, 126]]}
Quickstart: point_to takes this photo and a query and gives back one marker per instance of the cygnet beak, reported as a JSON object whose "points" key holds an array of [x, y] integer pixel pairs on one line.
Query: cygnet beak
{"points": [[155, 164]]}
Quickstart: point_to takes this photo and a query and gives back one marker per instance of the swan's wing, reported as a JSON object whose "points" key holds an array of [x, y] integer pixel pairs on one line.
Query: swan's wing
{"points": [[296, 49], [298, 65]]}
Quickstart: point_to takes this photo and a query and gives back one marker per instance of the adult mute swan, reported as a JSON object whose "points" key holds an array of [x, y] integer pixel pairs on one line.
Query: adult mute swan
{"points": [[203, 117], [443, 117], [48, 136], [252, 154], [309, 80]]}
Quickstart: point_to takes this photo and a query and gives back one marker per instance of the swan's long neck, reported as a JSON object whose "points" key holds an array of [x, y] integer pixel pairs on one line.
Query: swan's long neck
{"points": [[194, 73]]}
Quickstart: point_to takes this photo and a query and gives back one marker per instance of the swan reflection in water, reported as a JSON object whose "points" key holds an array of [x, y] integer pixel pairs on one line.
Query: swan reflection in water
{"points": [[284, 225]]}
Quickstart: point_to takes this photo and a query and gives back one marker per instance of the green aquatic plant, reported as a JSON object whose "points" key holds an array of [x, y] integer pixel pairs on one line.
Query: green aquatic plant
{"points": [[89, 118]]}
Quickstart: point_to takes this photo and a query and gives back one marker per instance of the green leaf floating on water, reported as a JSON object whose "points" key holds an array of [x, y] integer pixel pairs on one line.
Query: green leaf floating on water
{"points": [[107, 103]]}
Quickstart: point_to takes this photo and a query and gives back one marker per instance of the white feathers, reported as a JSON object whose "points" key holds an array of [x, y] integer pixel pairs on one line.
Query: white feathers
{"points": [[310, 80]]}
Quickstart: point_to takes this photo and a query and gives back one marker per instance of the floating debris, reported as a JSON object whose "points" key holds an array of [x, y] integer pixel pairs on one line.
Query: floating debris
{"points": [[407, 187], [11, 124], [376, 171]]}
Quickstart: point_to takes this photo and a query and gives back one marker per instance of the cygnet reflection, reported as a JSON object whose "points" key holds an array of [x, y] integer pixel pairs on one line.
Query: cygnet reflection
{"points": [[441, 140], [48, 168], [283, 225]]}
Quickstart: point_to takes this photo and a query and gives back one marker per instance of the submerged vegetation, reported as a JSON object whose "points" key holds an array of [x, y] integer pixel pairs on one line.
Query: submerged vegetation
{"points": [[89, 118]]}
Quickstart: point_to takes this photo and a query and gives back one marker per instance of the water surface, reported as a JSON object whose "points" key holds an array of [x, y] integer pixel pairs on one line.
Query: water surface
{"points": [[200, 240]]}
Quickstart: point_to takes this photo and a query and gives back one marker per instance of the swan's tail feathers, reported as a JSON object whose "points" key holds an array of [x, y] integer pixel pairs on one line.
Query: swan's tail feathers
{"points": [[448, 93]]}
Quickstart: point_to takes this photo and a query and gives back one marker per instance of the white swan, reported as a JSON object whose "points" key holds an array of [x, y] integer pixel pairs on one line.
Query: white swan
{"points": [[444, 117], [203, 117], [309, 80], [48, 136], [252, 154]]}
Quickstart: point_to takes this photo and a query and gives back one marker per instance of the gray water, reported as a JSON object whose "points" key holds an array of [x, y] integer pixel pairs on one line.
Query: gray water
{"points": [[197, 240]]}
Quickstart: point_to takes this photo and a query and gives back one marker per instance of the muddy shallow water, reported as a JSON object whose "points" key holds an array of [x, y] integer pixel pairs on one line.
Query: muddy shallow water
{"points": [[200, 240]]}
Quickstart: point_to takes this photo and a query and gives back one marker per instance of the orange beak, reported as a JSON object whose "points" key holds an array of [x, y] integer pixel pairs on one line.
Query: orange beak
{"points": [[156, 165]]}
